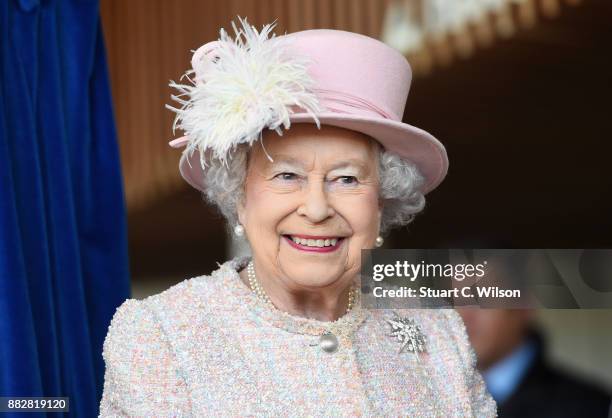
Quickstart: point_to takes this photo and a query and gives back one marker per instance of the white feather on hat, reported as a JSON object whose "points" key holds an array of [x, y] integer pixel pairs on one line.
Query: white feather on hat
{"points": [[241, 87]]}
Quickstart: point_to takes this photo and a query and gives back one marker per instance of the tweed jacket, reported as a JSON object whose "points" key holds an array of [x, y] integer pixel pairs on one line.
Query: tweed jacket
{"points": [[209, 346]]}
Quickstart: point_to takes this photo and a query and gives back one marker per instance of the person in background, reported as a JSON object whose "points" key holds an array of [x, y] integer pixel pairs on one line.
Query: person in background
{"points": [[511, 354]]}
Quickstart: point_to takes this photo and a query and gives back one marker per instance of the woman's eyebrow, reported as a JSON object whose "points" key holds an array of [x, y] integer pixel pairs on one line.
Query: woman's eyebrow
{"points": [[350, 163], [286, 160]]}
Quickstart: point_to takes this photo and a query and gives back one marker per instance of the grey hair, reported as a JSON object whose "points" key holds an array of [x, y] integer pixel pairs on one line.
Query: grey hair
{"points": [[400, 187]]}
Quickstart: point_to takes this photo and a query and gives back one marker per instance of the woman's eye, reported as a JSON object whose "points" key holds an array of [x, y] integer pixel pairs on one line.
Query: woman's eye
{"points": [[286, 176], [347, 179]]}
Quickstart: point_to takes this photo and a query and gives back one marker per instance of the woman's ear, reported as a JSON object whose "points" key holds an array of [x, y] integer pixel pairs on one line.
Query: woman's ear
{"points": [[241, 204], [240, 209]]}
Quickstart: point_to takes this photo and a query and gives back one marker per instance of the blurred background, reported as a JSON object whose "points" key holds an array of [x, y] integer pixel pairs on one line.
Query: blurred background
{"points": [[518, 91]]}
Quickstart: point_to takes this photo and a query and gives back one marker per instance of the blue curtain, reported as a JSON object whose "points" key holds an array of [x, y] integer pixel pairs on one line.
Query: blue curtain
{"points": [[63, 250]]}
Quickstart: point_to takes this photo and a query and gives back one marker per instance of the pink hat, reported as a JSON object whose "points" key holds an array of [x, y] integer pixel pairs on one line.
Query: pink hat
{"points": [[350, 81]]}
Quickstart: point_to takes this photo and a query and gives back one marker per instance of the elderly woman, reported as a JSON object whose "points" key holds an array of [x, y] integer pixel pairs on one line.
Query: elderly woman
{"points": [[282, 332]]}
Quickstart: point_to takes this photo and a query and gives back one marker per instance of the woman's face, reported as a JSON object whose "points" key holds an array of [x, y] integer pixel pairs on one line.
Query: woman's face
{"points": [[321, 190]]}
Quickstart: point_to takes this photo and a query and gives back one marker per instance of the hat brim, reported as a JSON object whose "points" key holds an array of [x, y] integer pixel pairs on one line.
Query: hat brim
{"points": [[407, 141]]}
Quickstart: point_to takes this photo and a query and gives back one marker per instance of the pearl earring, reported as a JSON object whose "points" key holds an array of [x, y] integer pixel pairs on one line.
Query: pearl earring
{"points": [[239, 230], [379, 241]]}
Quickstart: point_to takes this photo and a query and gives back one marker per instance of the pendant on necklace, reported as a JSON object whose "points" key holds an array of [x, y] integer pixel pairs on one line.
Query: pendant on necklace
{"points": [[408, 333], [328, 342]]}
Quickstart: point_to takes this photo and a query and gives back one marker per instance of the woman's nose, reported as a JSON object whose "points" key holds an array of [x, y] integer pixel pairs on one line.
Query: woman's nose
{"points": [[315, 206]]}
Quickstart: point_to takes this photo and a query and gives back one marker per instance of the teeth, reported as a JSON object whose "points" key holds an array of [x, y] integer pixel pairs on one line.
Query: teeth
{"points": [[315, 242]]}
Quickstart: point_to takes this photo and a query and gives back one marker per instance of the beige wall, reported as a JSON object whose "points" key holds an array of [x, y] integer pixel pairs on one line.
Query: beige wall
{"points": [[581, 340]]}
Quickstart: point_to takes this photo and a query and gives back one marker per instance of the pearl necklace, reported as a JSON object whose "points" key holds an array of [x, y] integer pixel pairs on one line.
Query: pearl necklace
{"points": [[260, 292]]}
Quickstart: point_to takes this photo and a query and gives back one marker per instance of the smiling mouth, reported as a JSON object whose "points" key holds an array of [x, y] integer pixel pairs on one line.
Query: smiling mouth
{"points": [[314, 243]]}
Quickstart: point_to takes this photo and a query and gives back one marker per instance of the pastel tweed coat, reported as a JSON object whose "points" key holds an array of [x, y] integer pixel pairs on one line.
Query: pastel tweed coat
{"points": [[210, 347]]}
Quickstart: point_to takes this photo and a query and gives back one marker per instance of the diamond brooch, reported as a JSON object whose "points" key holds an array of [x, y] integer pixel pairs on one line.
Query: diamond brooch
{"points": [[408, 333]]}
